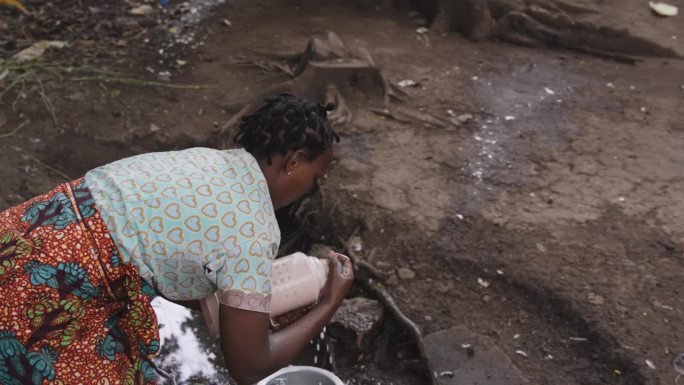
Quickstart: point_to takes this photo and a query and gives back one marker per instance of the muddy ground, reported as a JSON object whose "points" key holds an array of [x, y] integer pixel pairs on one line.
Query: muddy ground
{"points": [[550, 221]]}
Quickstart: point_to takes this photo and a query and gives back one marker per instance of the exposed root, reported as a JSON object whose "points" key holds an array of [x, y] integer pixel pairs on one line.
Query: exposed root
{"points": [[544, 22], [407, 115]]}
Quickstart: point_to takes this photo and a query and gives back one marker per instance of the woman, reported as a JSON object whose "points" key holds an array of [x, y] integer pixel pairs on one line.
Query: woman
{"points": [[80, 264]]}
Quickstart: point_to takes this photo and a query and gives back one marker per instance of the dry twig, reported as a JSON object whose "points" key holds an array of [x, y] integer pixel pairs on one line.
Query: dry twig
{"points": [[9, 134]]}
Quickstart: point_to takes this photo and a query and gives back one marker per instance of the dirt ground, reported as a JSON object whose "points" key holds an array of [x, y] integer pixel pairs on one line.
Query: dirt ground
{"points": [[551, 219]]}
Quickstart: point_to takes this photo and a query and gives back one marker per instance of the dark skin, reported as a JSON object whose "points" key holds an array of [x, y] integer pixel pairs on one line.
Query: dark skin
{"points": [[252, 352]]}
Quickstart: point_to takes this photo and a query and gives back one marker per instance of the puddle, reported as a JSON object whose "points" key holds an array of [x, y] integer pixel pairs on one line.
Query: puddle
{"points": [[191, 356], [188, 353]]}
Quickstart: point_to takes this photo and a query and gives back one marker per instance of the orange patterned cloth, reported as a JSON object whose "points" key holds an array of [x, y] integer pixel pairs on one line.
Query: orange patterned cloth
{"points": [[72, 312]]}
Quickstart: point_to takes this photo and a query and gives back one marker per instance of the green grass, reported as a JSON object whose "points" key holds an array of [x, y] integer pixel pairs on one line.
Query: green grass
{"points": [[21, 79]]}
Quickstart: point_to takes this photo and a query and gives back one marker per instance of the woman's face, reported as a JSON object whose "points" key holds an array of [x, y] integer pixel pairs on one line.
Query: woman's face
{"points": [[301, 173]]}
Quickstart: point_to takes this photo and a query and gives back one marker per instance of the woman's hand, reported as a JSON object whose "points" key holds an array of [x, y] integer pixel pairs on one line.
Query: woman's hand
{"points": [[251, 352], [340, 279]]}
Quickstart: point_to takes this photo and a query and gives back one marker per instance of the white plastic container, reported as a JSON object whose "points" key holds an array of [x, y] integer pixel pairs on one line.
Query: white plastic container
{"points": [[301, 375], [296, 281]]}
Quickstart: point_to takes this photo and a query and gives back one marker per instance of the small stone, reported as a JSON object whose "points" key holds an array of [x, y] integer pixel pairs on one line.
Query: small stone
{"points": [[154, 128], [428, 318], [463, 118], [678, 364], [595, 299], [408, 83], [393, 280], [486, 298], [164, 75], [360, 316], [445, 287], [405, 273], [356, 244]]}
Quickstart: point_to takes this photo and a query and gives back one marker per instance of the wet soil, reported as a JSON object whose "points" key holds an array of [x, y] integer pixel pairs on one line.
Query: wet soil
{"points": [[551, 221]]}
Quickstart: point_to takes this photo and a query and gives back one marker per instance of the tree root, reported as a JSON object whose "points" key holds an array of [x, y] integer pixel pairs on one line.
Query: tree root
{"points": [[546, 22]]}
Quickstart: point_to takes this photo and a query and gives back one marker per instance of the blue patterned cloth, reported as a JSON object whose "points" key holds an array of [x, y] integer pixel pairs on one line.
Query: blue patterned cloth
{"points": [[192, 221]]}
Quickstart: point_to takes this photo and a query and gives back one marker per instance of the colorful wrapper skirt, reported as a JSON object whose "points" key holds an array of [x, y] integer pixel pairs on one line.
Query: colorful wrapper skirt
{"points": [[71, 312]]}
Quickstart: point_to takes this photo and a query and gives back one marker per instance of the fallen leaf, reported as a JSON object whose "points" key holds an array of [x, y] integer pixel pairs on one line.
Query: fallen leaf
{"points": [[14, 3], [142, 10], [663, 9], [37, 49]]}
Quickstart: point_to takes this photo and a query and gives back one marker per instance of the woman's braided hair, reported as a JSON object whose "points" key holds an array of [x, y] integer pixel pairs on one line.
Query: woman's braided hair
{"points": [[284, 124]]}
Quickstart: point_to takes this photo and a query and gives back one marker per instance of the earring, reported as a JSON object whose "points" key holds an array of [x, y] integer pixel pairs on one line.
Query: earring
{"points": [[289, 173]]}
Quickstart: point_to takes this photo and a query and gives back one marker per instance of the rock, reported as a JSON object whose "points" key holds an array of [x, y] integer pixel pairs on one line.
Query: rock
{"points": [[445, 287], [478, 362], [358, 319], [457, 121], [595, 299], [356, 244], [405, 273], [678, 364]]}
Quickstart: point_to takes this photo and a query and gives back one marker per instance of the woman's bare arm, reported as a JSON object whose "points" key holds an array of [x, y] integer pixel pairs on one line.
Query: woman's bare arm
{"points": [[252, 352]]}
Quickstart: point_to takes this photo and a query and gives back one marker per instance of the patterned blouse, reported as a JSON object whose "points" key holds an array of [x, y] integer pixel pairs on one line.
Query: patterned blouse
{"points": [[192, 222]]}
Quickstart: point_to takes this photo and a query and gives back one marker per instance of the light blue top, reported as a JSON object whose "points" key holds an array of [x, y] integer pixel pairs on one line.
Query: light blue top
{"points": [[192, 222]]}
